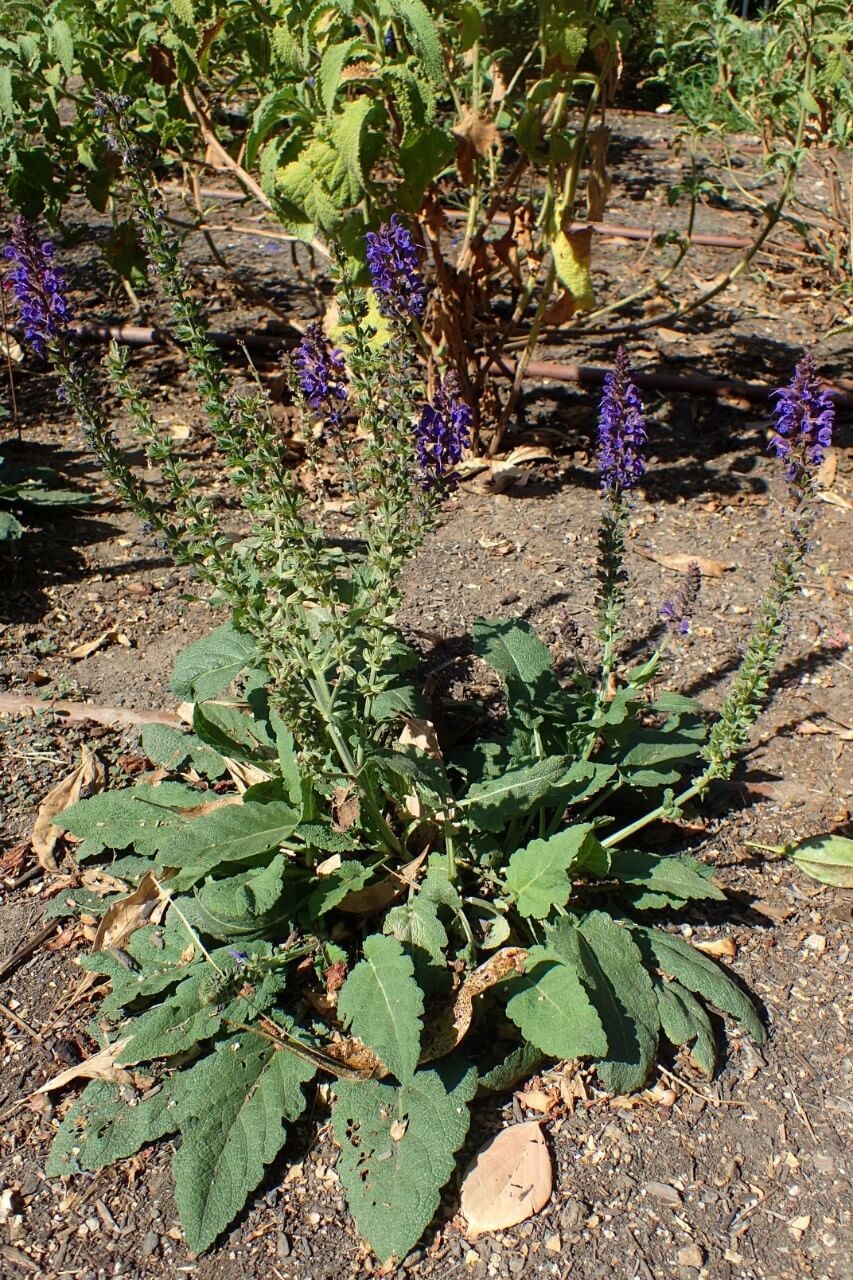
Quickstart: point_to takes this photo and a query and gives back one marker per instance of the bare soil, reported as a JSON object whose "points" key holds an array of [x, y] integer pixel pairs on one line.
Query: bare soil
{"points": [[747, 1177]]}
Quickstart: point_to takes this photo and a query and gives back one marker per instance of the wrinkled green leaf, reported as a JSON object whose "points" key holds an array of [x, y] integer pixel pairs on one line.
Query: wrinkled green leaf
{"points": [[232, 1127], [538, 876], [397, 1150], [209, 666], [381, 1003], [551, 1008]]}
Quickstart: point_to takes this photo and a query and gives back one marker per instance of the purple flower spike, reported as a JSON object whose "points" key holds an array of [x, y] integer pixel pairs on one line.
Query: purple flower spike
{"points": [[803, 417], [621, 430], [443, 431], [38, 286], [321, 372], [678, 612], [394, 263]]}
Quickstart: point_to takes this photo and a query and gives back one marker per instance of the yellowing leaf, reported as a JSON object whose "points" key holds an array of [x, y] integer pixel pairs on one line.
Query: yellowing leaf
{"points": [[509, 1180], [572, 252]]}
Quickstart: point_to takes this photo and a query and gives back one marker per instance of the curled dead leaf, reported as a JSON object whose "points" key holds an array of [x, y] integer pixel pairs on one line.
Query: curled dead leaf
{"points": [[509, 1180], [101, 1066], [375, 897], [345, 808], [144, 906], [680, 562], [725, 948], [420, 734], [89, 776]]}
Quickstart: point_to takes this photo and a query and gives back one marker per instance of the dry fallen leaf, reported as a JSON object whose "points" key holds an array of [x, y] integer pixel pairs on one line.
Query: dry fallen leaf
{"points": [[377, 896], [90, 775], [89, 647], [245, 775], [836, 500], [131, 913], [345, 808], [538, 1100], [509, 1180], [420, 734], [681, 563], [101, 1066], [725, 947], [828, 469]]}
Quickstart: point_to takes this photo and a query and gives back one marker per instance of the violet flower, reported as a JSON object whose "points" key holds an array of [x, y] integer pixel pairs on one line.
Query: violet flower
{"points": [[321, 374], [38, 286], [803, 417], [677, 613], [442, 432], [394, 263], [621, 430]]}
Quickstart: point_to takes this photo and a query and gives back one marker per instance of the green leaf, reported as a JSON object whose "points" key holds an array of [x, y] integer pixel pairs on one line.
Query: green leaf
{"points": [[10, 528], [684, 1021], [515, 650], [61, 45], [622, 991], [538, 875], [332, 64], [332, 889], [493, 803], [519, 1064], [234, 833], [397, 1151], [175, 750], [381, 1003], [666, 881], [416, 924], [109, 1122], [422, 33], [232, 1127], [143, 817], [827, 858], [208, 667], [244, 904], [699, 974], [232, 732], [552, 1010]]}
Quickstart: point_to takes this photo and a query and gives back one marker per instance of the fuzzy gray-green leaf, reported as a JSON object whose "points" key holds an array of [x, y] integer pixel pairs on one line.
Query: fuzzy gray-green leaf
{"points": [[397, 1151], [622, 992], [538, 875], [232, 1127], [699, 974], [551, 1008], [381, 1003]]}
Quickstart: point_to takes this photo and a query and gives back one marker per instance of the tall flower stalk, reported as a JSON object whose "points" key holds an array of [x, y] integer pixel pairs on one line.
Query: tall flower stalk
{"points": [[803, 417], [621, 440]]}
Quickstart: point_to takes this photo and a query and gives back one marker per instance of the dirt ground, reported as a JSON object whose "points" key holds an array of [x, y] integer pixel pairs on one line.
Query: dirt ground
{"points": [[744, 1178]]}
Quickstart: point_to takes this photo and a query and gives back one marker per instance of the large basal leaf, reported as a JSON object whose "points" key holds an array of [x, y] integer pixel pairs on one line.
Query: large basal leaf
{"points": [[492, 804], [518, 1064], [699, 974], [622, 992], [109, 1122], [175, 751], [515, 650], [142, 817], [684, 1021], [381, 1004], [229, 835], [663, 882], [538, 875], [232, 1126], [245, 904], [552, 1009], [208, 667], [397, 1151], [232, 732]]}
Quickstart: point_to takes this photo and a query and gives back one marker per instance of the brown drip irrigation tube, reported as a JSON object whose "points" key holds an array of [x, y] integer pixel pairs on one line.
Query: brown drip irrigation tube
{"points": [[587, 375]]}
